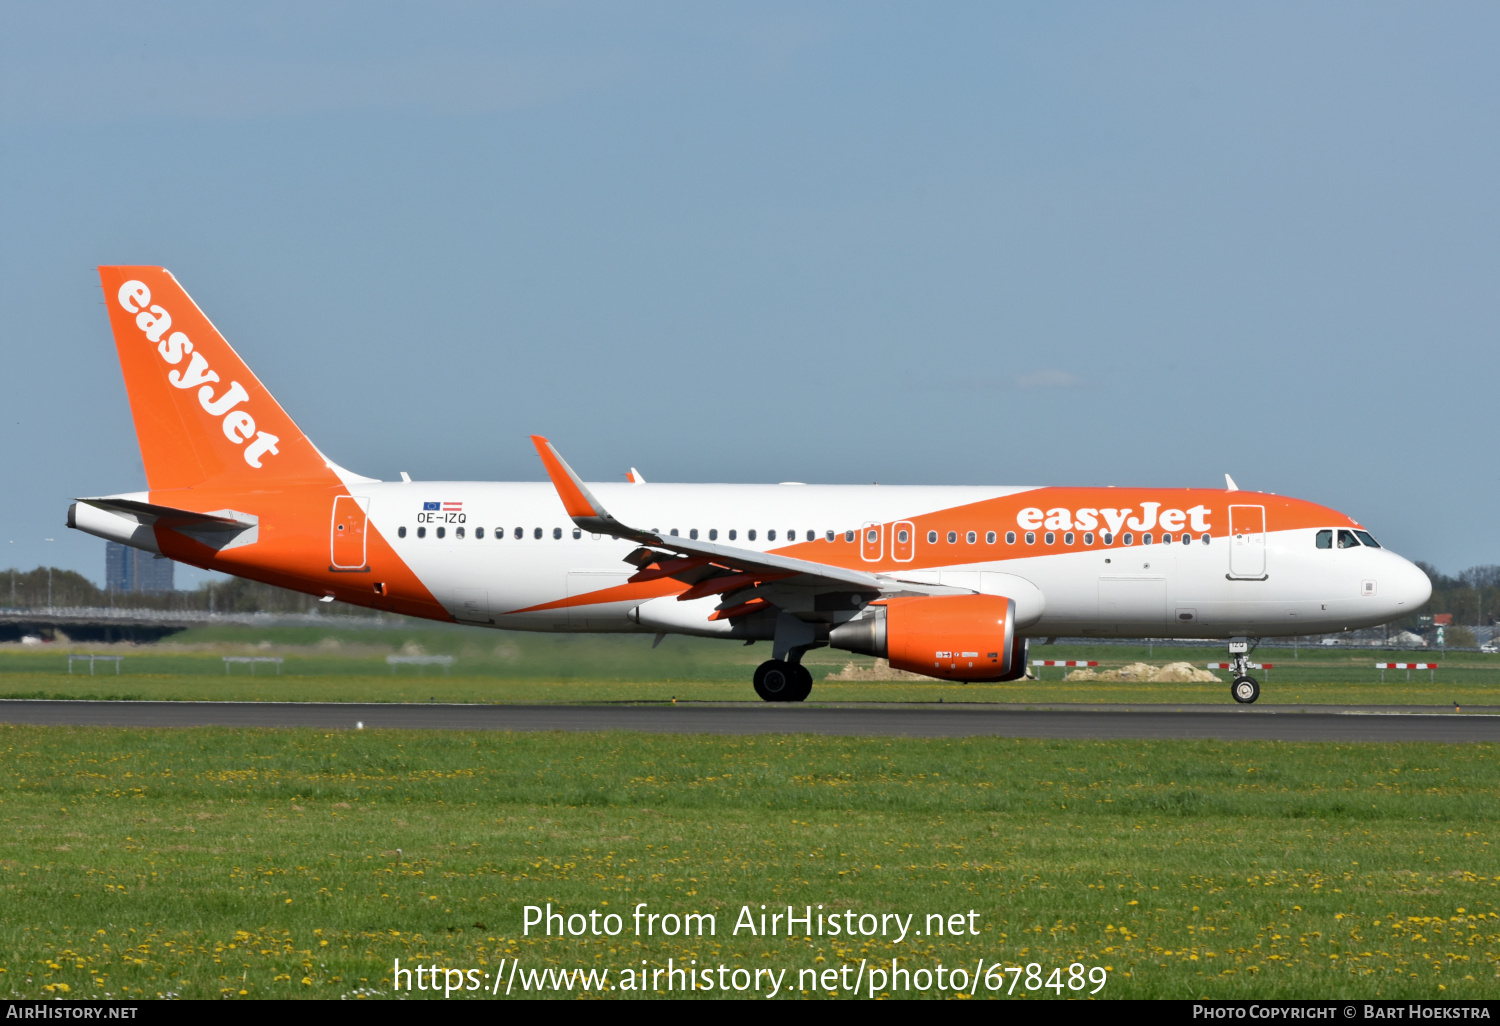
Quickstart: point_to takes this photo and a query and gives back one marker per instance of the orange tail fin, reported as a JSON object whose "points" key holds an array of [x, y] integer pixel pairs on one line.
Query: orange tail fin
{"points": [[200, 415]]}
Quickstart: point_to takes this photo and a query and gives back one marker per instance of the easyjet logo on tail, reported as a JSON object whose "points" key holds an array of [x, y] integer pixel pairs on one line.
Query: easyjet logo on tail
{"points": [[238, 425], [1087, 519]]}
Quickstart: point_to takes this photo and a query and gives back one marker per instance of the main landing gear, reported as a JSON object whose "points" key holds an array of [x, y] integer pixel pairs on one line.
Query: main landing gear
{"points": [[777, 680], [1245, 689]]}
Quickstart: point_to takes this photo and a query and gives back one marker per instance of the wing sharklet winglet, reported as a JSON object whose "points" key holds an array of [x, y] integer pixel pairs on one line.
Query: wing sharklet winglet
{"points": [[587, 512]]}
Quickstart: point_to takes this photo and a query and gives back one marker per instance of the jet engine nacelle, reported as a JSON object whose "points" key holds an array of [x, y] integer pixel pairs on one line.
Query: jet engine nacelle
{"points": [[954, 637]]}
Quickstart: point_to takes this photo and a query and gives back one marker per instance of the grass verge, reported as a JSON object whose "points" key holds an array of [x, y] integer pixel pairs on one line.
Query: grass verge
{"points": [[300, 863], [342, 666]]}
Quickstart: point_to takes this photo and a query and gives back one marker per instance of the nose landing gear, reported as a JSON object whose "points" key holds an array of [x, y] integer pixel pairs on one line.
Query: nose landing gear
{"points": [[1245, 689], [777, 680]]}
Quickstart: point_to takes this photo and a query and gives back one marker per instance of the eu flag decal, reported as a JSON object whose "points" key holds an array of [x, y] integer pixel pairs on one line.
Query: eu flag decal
{"points": [[431, 505]]}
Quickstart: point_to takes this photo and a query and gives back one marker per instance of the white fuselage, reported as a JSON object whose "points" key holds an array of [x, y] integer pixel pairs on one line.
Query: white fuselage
{"points": [[491, 568]]}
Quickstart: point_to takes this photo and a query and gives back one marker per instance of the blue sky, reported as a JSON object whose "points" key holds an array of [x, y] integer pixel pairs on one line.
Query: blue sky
{"points": [[1017, 244]]}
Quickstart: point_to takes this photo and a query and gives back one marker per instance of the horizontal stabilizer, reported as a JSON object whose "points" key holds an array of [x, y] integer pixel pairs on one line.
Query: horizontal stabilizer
{"points": [[150, 513], [134, 521]]}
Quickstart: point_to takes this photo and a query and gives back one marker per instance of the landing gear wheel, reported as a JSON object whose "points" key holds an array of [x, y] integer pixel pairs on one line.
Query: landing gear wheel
{"points": [[1245, 690], [803, 686], [778, 681]]}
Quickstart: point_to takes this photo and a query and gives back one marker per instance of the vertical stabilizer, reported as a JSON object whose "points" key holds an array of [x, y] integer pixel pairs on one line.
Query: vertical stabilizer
{"points": [[200, 415]]}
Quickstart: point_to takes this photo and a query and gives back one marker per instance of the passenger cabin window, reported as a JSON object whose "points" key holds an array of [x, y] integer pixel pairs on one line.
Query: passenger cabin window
{"points": [[674, 532], [1050, 538], [1030, 537], [556, 533], [1088, 537], [811, 535], [770, 535], [577, 533], [1107, 538], [1205, 539], [1347, 540], [1187, 539], [1127, 538], [733, 534], [931, 537], [1010, 537], [458, 532], [971, 537], [1325, 539], [848, 536], [1146, 538], [1068, 538], [989, 538], [829, 536], [693, 534], [713, 534], [421, 532], [478, 534], [750, 534], [537, 533], [903, 536], [520, 533], [400, 532], [1364, 536], [952, 537], [441, 531]]}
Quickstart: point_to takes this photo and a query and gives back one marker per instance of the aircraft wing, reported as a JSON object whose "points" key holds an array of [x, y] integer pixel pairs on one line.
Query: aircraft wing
{"points": [[589, 514]]}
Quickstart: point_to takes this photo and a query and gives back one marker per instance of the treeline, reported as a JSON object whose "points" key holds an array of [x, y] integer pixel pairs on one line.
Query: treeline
{"points": [[1473, 597], [29, 589]]}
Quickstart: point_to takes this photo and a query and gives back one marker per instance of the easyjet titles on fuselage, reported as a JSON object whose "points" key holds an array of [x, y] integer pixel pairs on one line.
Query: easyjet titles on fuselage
{"points": [[1087, 519]]}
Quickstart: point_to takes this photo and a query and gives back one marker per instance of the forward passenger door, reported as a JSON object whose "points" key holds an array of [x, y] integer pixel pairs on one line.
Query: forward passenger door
{"points": [[1247, 542]]}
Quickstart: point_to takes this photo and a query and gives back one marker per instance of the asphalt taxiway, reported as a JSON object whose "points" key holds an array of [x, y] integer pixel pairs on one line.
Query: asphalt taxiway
{"points": [[1229, 723]]}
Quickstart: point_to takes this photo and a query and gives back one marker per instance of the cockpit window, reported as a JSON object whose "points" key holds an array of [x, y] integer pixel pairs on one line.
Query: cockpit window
{"points": [[1364, 536], [1325, 539], [1347, 540]]}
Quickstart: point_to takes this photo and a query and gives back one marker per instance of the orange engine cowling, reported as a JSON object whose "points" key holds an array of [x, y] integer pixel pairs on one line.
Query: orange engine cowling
{"points": [[954, 637]]}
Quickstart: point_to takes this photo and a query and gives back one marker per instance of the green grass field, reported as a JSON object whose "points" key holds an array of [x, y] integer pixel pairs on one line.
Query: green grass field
{"points": [[300, 863], [265, 863], [331, 664]]}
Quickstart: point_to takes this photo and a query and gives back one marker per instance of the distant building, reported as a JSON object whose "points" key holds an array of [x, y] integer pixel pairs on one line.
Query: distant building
{"points": [[129, 569]]}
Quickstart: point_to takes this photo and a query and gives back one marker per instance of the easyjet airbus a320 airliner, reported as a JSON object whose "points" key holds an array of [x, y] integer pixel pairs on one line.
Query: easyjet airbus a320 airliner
{"points": [[943, 581]]}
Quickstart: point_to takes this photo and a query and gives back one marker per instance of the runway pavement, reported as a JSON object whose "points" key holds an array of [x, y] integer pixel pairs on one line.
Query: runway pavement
{"points": [[1267, 723]]}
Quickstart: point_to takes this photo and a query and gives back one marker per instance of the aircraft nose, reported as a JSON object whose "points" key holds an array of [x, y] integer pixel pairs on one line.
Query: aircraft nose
{"points": [[1411, 588]]}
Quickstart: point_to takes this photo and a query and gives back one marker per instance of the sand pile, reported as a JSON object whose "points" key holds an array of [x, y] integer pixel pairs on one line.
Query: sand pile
{"points": [[1172, 673]]}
